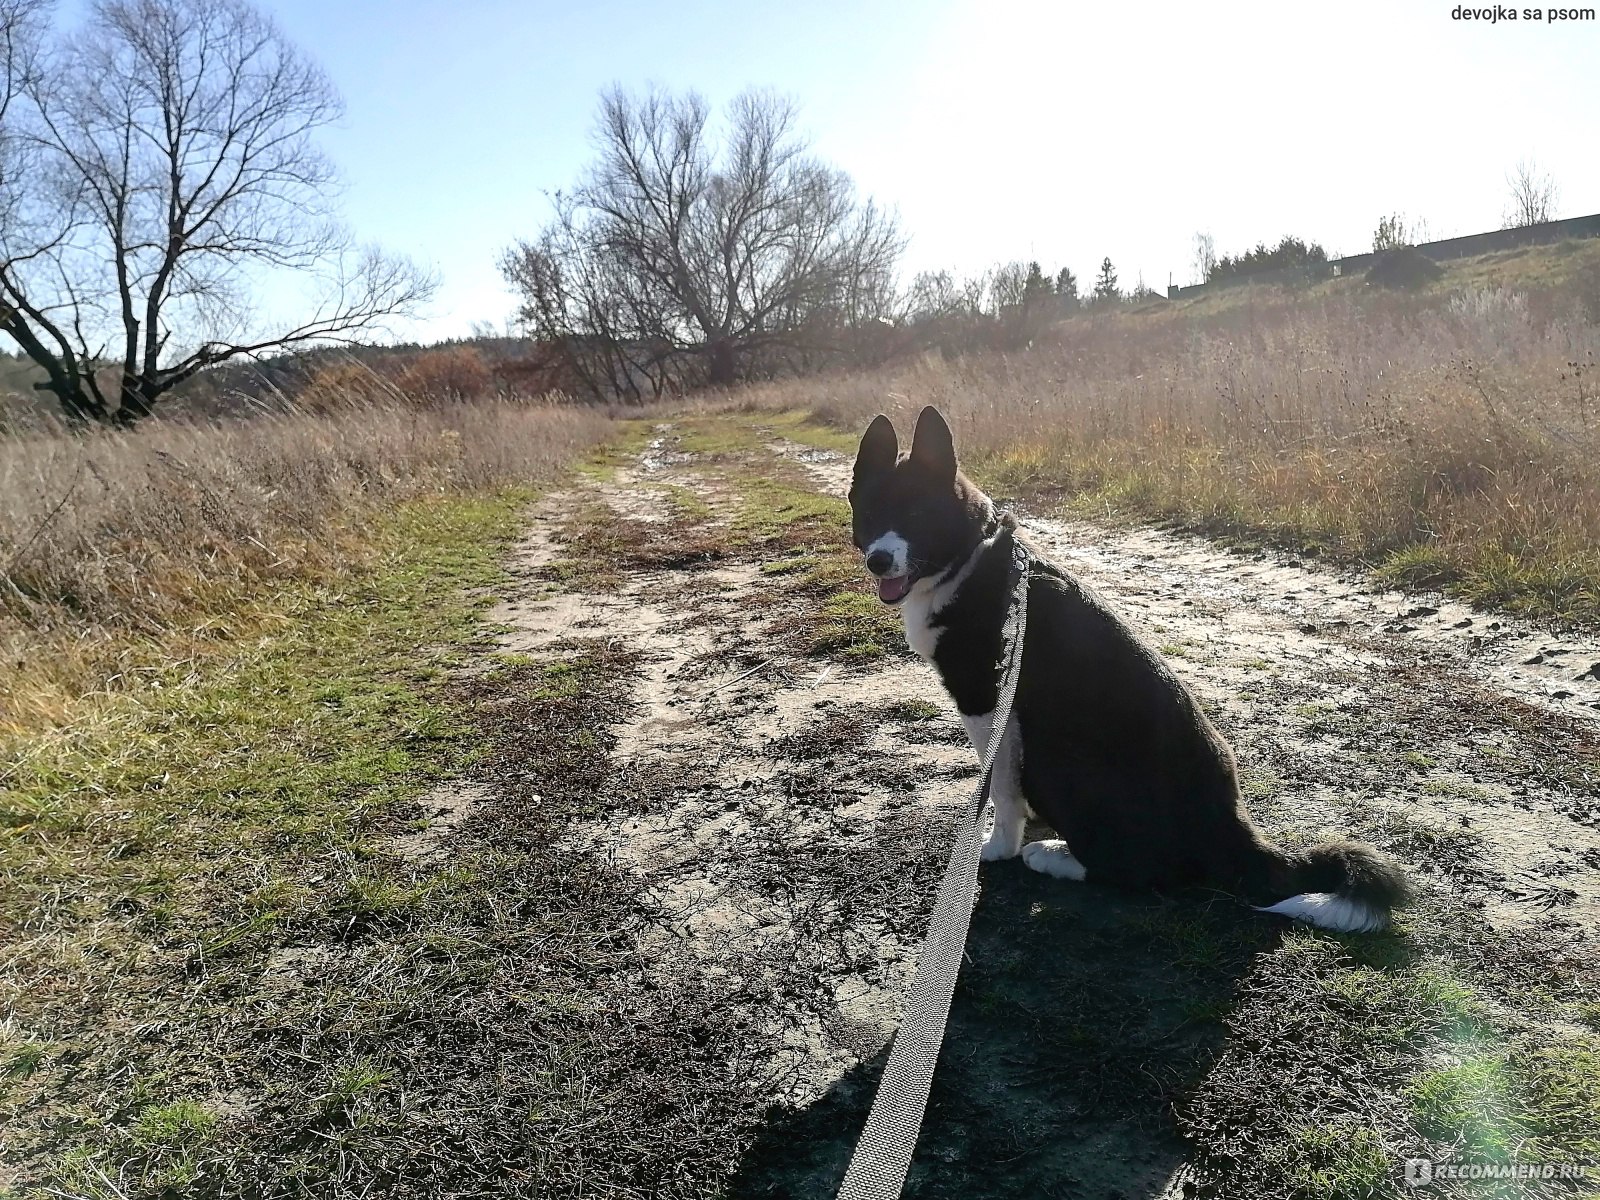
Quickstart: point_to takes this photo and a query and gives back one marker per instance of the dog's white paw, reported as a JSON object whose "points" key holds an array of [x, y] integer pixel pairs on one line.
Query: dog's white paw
{"points": [[1051, 857], [1001, 844]]}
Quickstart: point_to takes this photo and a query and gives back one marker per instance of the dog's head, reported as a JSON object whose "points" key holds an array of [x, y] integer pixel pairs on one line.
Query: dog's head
{"points": [[915, 518]]}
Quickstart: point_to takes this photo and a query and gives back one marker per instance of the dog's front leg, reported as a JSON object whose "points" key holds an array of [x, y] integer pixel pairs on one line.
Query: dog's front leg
{"points": [[1005, 787]]}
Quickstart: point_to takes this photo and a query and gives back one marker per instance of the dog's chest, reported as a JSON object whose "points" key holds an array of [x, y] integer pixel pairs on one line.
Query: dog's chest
{"points": [[917, 613]]}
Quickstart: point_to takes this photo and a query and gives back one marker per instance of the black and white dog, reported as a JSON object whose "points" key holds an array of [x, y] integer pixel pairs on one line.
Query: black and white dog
{"points": [[1104, 744]]}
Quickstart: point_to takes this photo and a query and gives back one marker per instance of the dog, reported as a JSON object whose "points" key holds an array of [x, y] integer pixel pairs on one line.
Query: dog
{"points": [[1105, 744]]}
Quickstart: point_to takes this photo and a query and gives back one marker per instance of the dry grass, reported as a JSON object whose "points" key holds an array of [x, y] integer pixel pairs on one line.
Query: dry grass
{"points": [[118, 550], [1447, 438]]}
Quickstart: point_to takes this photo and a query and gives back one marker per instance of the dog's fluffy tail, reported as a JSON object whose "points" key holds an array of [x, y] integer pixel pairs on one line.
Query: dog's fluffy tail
{"points": [[1343, 886]]}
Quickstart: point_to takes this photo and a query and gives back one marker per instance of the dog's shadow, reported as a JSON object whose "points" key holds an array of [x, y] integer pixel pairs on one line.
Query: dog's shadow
{"points": [[1082, 1019]]}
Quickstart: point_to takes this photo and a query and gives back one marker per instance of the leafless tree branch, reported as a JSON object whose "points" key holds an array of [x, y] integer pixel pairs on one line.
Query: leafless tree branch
{"points": [[171, 147], [1533, 196], [682, 251]]}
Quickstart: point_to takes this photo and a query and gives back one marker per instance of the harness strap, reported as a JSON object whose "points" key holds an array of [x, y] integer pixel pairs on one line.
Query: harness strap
{"points": [[882, 1155]]}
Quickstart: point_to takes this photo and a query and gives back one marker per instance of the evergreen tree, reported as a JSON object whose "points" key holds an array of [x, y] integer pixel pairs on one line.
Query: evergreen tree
{"points": [[1289, 252], [1067, 289], [1036, 286], [1105, 284]]}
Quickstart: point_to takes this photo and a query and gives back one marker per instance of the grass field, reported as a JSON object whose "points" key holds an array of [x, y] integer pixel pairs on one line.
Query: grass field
{"points": [[224, 650], [1445, 439], [503, 800], [406, 898], [126, 553]]}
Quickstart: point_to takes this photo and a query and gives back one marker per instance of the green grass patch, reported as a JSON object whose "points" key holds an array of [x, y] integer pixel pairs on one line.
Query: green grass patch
{"points": [[1558, 1086], [686, 503], [234, 807], [1520, 1100], [856, 627], [1258, 783], [1459, 788], [788, 566], [622, 449], [353, 1083], [1422, 567], [1337, 1161], [167, 1126], [162, 1152], [912, 710], [1379, 1025], [716, 438], [812, 428], [1469, 1104]]}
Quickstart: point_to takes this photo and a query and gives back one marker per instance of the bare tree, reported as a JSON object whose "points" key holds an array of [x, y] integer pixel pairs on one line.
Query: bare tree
{"points": [[681, 254], [174, 170], [974, 292], [24, 229], [1398, 230], [1533, 196], [1008, 285], [933, 296], [1205, 256], [942, 295]]}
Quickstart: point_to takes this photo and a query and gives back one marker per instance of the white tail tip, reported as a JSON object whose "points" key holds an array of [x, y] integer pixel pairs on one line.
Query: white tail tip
{"points": [[1330, 910]]}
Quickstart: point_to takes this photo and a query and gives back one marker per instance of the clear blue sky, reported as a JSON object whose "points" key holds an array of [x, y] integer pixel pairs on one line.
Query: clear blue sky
{"points": [[1000, 130]]}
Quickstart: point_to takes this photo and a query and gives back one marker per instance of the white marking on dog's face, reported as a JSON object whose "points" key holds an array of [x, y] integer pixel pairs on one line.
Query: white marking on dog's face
{"points": [[898, 549]]}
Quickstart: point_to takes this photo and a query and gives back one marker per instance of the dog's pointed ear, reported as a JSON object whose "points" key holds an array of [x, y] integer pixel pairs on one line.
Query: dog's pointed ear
{"points": [[880, 449], [932, 446]]}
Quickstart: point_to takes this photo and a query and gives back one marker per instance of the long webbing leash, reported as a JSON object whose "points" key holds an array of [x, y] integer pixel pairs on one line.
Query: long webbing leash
{"points": [[882, 1155]]}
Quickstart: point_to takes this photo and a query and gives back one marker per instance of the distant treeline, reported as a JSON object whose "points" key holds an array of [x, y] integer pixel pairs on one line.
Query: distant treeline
{"points": [[1289, 252]]}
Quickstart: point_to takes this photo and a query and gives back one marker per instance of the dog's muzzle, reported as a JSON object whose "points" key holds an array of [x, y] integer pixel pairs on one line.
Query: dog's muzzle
{"points": [[891, 588]]}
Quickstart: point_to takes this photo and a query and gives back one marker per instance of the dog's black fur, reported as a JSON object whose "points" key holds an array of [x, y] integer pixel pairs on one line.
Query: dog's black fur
{"points": [[1116, 754]]}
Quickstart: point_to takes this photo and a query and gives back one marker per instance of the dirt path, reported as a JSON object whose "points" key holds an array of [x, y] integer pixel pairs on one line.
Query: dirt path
{"points": [[802, 781], [776, 804]]}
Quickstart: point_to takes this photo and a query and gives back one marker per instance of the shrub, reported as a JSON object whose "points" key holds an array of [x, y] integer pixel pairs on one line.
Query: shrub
{"points": [[1405, 267], [447, 373]]}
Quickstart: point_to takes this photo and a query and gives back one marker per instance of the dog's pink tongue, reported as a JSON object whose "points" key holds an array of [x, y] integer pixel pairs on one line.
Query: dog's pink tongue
{"points": [[893, 588]]}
